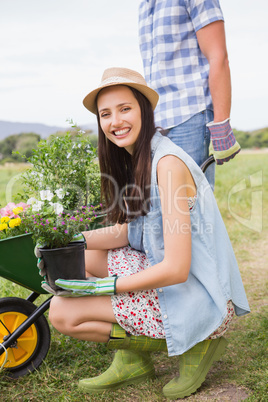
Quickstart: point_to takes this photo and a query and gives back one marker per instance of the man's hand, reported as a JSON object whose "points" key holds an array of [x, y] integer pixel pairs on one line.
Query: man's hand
{"points": [[223, 142]]}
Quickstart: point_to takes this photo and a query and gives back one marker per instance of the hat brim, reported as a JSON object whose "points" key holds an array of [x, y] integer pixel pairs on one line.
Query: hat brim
{"points": [[90, 100]]}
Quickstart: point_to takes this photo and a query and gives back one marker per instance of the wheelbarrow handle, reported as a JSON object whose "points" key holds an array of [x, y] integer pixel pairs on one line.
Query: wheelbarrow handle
{"points": [[207, 163]]}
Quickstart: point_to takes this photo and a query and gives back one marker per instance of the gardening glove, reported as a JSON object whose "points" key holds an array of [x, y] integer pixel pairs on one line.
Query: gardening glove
{"points": [[89, 286], [223, 144], [40, 261], [78, 238], [54, 292]]}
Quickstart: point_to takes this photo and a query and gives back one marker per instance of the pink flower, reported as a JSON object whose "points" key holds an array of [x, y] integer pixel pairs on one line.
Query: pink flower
{"points": [[7, 210], [23, 205]]}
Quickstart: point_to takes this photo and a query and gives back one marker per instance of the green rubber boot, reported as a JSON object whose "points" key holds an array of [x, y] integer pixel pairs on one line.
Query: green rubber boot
{"points": [[127, 368], [120, 339], [194, 366]]}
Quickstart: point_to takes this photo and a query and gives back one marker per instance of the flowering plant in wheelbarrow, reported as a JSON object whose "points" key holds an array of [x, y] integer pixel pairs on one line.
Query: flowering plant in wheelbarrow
{"points": [[10, 220], [57, 234], [55, 231]]}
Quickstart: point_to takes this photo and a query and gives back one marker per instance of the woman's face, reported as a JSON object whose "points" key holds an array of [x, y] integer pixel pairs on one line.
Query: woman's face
{"points": [[120, 116]]}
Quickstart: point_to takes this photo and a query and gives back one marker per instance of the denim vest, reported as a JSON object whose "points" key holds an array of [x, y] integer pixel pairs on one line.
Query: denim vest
{"points": [[192, 310]]}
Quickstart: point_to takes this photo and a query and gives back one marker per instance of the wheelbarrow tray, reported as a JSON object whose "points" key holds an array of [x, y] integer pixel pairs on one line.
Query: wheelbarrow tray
{"points": [[18, 262]]}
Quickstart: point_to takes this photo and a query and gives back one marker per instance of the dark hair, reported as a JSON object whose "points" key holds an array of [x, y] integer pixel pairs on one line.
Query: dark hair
{"points": [[126, 178]]}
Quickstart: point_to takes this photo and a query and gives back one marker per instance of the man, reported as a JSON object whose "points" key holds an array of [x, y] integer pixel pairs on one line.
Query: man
{"points": [[183, 48]]}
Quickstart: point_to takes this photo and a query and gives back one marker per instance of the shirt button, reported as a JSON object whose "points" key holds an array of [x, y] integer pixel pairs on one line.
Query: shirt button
{"points": [[165, 316], [160, 290], [146, 251]]}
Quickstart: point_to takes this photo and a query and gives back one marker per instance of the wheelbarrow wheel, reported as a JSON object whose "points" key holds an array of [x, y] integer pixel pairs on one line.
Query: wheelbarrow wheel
{"points": [[30, 349]]}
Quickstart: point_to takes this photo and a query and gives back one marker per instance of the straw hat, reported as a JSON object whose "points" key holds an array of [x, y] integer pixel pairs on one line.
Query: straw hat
{"points": [[121, 76]]}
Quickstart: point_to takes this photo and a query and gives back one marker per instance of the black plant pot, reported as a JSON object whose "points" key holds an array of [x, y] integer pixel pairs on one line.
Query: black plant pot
{"points": [[64, 263]]}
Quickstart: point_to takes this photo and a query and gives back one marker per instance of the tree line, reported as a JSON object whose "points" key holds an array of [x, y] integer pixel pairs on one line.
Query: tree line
{"points": [[14, 146], [25, 143], [252, 139]]}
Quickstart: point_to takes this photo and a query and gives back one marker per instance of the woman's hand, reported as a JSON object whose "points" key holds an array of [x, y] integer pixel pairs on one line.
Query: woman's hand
{"points": [[89, 286]]}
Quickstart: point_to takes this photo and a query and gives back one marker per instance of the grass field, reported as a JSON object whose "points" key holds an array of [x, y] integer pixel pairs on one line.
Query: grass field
{"points": [[241, 191], [10, 182]]}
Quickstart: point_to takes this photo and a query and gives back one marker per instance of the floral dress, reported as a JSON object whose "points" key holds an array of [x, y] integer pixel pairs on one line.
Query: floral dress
{"points": [[139, 312]]}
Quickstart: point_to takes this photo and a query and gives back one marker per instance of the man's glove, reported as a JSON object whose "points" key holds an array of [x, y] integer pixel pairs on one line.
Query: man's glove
{"points": [[78, 238], [89, 286], [224, 144]]}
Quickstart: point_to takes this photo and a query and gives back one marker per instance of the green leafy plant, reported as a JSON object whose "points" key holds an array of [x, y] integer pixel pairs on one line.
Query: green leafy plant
{"points": [[67, 163]]}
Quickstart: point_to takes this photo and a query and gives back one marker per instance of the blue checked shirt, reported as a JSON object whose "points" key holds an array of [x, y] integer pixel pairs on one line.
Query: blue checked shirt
{"points": [[173, 63]]}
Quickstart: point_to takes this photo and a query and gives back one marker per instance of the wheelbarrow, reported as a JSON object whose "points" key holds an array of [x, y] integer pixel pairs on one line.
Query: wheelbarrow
{"points": [[24, 330]]}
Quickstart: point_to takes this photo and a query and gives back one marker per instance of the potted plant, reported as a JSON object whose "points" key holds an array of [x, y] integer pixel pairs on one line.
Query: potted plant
{"points": [[56, 230]]}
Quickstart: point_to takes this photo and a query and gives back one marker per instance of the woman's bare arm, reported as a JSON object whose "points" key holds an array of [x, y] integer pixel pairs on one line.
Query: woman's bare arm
{"points": [[107, 237], [174, 184]]}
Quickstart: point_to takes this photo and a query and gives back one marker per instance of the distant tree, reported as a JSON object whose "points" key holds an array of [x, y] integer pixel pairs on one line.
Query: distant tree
{"points": [[24, 143], [259, 138], [243, 138], [252, 139]]}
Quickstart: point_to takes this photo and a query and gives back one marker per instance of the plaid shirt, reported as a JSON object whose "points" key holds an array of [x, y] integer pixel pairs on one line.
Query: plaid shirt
{"points": [[173, 63]]}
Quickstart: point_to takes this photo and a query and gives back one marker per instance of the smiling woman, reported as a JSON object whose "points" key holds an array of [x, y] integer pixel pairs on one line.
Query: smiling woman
{"points": [[132, 148], [154, 260], [120, 121]]}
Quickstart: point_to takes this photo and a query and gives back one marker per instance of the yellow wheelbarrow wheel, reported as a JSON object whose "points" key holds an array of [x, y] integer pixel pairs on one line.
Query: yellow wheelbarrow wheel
{"points": [[29, 350]]}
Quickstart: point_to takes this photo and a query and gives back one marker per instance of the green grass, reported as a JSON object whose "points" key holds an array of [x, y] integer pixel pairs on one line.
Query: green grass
{"points": [[244, 364], [10, 182]]}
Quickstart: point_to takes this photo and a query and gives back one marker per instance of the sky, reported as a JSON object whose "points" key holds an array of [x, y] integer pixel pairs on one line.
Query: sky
{"points": [[53, 52]]}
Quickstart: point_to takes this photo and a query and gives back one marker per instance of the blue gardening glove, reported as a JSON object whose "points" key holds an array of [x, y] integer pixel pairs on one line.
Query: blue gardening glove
{"points": [[89, 286], [223, 144], [78, 238]]}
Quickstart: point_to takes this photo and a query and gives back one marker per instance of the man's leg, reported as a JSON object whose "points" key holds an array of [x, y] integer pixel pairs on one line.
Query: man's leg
{"points": [[194, 138]]}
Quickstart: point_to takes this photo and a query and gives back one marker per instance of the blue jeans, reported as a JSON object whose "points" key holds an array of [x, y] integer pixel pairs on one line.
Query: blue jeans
{"points": [[193, 137]]}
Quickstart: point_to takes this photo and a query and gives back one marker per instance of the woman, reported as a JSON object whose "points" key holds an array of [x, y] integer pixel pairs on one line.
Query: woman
{"points": [[165, 273]]}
